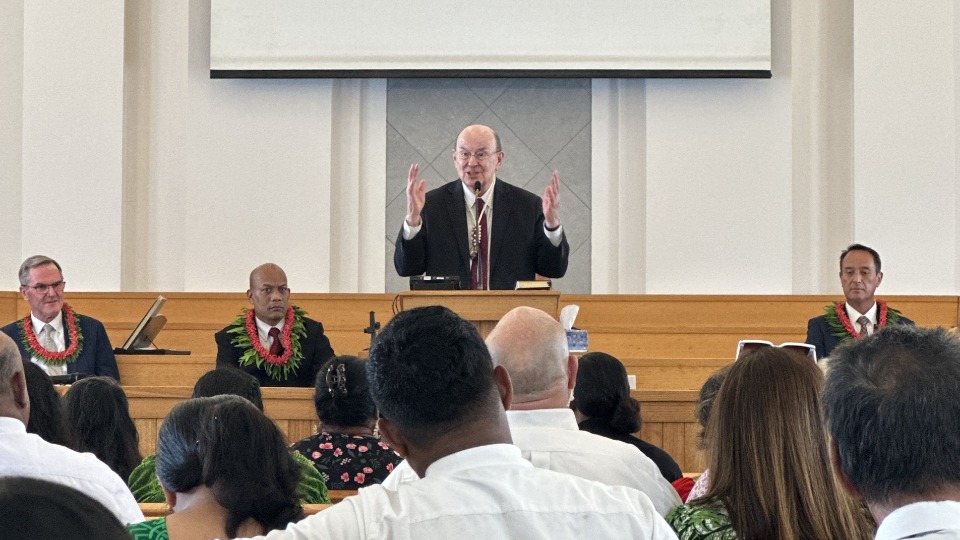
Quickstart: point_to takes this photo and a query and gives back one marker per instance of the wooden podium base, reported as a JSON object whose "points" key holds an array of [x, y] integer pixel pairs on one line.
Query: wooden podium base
{"points": [[482, 308]]}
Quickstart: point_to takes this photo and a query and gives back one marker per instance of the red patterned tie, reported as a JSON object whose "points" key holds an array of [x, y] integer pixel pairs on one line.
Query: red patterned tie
{"points": [[479, 264], [276, 349]]}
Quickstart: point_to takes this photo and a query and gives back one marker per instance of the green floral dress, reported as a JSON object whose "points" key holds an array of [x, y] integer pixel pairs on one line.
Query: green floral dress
{"points": [[155, 529], [702, 522], [145, 487]]}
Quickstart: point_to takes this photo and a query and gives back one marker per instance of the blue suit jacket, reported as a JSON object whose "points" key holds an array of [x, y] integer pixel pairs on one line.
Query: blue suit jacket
{"points": [[519, 249], [96, 357], [820, 335]]}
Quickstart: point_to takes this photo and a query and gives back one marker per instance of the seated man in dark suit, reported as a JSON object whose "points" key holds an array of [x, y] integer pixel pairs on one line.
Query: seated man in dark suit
{"points": [[274, 341], [53, 336], [519, 235], [860, 314]]}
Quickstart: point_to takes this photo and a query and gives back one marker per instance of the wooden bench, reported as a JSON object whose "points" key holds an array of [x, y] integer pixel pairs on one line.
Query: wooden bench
{"points": [[156, 510]]}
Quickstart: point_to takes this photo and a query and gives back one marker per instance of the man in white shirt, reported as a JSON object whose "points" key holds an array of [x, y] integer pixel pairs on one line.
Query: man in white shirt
{"points": [[532, 346], [860, 314], [442, 407], [892, 407], [26, 454]]}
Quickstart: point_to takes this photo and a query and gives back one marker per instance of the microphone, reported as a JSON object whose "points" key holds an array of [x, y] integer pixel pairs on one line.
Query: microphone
{"points": [[476, 186]]}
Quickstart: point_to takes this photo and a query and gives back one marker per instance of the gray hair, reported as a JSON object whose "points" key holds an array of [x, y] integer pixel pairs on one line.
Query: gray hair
{"points": [[34, 262]]}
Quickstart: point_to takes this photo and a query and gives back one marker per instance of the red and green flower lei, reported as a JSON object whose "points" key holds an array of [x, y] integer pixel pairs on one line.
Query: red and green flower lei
{"points": [[843, 329], [54, 358], [277, 367]]}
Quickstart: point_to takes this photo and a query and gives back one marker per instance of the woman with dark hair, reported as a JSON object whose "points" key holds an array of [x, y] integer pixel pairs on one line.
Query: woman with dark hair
{"points": [[46, 407], [42, 510], [98, 411], [604, 407], [346, 451], [217, 382], [225, 471], [770, 474]]}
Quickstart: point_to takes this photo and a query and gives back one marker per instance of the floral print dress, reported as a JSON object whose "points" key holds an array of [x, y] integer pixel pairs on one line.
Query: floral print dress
{"points": [[348, 461]]}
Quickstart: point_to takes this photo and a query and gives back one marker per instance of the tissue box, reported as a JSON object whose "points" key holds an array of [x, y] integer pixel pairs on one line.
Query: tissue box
{"points": [[577, 340]]}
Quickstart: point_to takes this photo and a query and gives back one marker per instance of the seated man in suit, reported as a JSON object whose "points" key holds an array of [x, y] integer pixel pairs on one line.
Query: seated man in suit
{"points": [[860, 314], [274, 341], [441, 405], [489, 233], [891, 406], [53, 336]]}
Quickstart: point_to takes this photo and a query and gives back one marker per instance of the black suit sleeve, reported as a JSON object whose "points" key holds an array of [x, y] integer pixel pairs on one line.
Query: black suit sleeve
{"points": [[226, 353], [409, 256], [815, 337], [319, 350], [105, 362]]}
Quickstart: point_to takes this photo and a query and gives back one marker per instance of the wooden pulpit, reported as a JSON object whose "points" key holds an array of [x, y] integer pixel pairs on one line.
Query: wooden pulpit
{"points": [[482, 308]]}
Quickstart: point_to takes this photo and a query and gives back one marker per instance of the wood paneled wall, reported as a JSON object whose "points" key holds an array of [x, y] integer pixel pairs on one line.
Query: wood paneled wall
{"points": [[668, 417], [671, 343]]}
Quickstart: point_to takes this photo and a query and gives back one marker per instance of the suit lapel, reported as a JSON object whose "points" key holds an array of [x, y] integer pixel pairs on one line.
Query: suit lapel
{"points": [[457, 214], [503, 216]]}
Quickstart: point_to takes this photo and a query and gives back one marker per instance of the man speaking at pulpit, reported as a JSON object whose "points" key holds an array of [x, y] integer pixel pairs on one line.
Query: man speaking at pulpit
{"points": [[485, 231]]}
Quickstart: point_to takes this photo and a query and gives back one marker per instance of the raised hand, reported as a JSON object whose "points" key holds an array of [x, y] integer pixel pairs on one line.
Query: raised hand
{"points": [[551, 202], [416, 195]]}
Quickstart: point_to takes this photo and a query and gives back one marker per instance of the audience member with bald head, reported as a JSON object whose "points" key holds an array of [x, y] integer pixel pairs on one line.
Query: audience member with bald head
{"points": [[26, 454], [442, 407], [274, 341], [532, 346]]}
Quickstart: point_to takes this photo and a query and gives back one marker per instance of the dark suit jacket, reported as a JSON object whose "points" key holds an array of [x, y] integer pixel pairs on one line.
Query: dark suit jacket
{"points": [[820, 335], [518, 247], [315, 348], [96, 357]]}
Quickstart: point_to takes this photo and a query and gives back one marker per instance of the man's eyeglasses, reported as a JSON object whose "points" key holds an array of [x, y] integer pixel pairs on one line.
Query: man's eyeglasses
{"points": [[42, 288], [481, 155], [746, 346]]}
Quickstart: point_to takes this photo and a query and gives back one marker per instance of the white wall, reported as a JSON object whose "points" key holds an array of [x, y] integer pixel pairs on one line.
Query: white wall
{"points": [[121, 157]]}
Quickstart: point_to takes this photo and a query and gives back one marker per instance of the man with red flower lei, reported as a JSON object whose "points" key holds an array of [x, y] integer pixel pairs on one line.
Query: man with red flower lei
{"points": [[274, 341], [53, 336], [860, 314]]}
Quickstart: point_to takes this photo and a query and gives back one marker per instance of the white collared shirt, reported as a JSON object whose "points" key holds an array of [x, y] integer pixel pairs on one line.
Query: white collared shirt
{"points": [[26, 454], [551, 439], [934, 520], [58, 338], [263, 331], [484, 493], [854, 315]]}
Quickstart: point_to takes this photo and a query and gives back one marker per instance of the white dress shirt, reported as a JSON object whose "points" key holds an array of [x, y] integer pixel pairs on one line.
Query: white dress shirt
{"points": [[854, 315], [263, 331], [58, 338], [486, 493], [934, 520], [26, 454], [551, 439]]}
